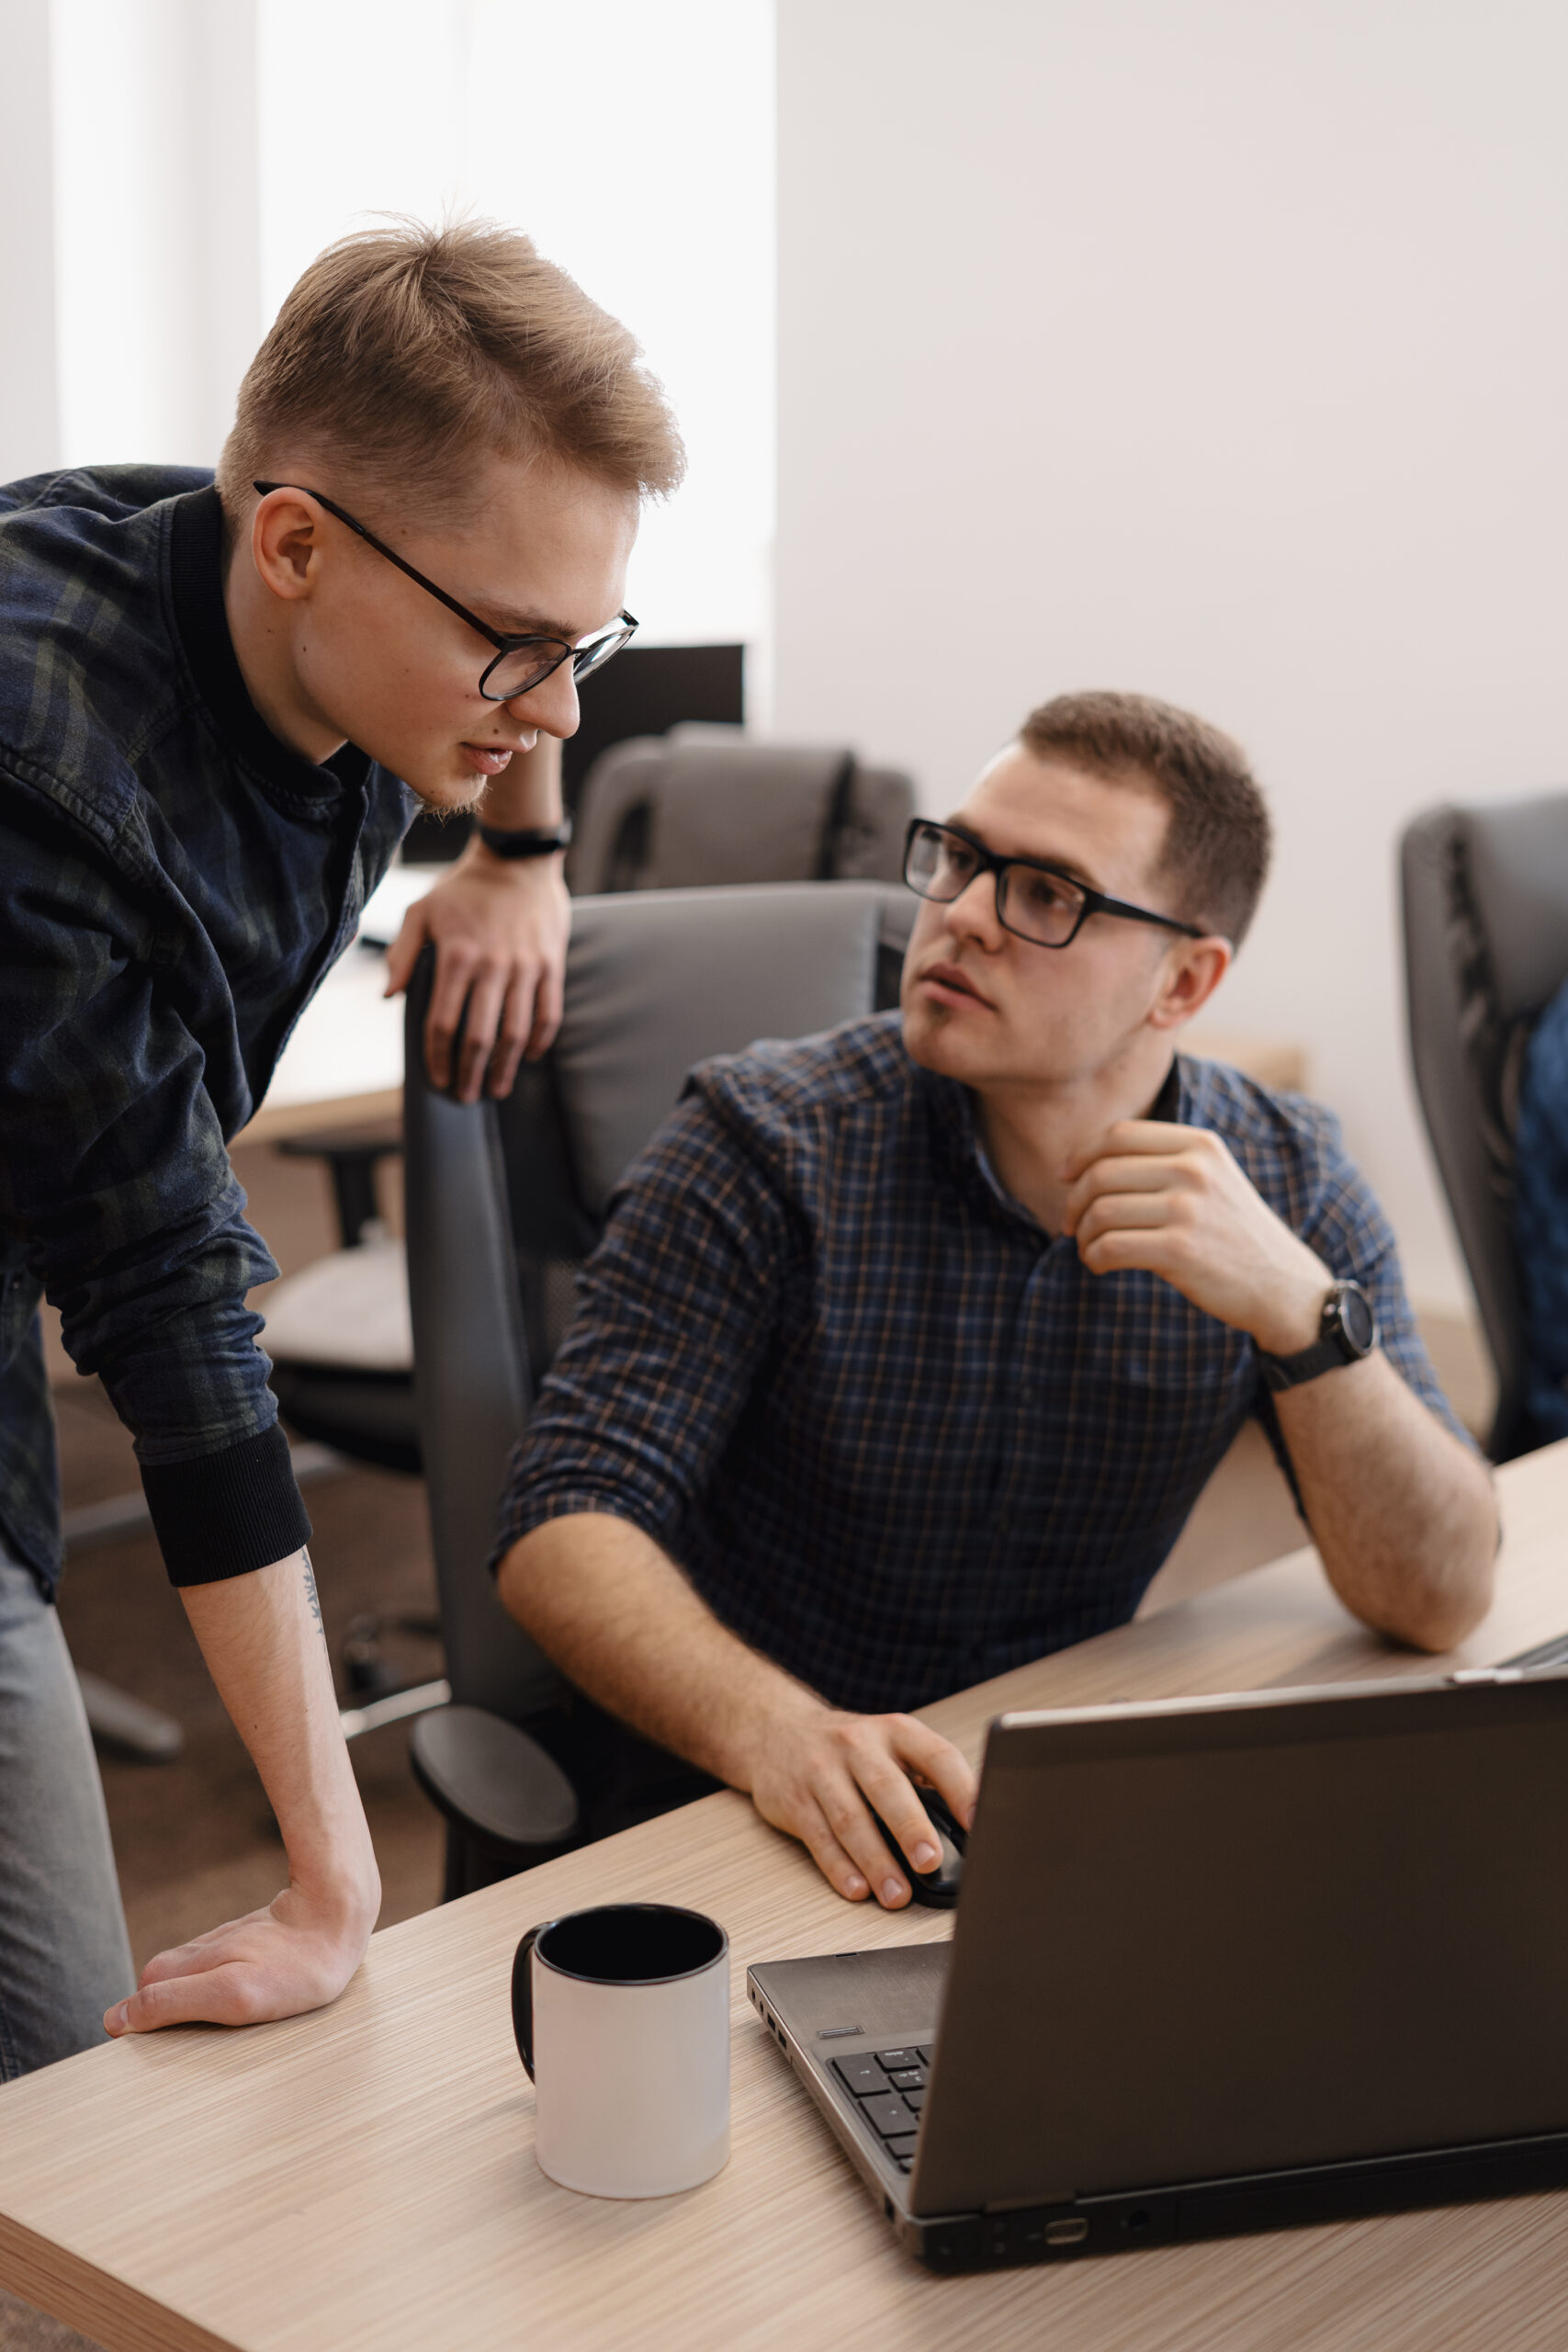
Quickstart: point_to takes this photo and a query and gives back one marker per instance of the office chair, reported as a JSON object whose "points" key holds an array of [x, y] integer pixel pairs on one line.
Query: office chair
{"points": [[1486, 905], [701, 805], [648, 689], [337, 1331], [705, 804], [505, 1201]]}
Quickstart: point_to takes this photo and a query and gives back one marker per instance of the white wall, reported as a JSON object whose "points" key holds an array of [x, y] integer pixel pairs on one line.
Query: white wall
{"points": [[632, 142], [29, 387], [158, 238], [206, 150], [1217, 350]]}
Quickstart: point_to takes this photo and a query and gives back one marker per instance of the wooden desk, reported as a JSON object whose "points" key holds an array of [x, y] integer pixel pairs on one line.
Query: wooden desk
{"points": [[364, 2180]]}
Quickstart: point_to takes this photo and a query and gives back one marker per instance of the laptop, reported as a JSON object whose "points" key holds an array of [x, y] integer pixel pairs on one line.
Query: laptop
{"points": [[1218, 1965]]}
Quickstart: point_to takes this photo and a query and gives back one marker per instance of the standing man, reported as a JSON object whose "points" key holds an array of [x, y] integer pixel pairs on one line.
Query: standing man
{"points": [[220, 704]]}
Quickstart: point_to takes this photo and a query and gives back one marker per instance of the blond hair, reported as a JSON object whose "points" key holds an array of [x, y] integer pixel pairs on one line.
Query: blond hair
{"points": [[406, 353]]}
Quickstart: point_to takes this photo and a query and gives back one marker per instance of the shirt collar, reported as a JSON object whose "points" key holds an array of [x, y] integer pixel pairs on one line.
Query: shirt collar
{"points": [[957, 1132], [196, 550]]}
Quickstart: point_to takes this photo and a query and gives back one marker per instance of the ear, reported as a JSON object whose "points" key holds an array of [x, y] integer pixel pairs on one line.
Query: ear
{"points": [[1193, 970], [286, 543]]}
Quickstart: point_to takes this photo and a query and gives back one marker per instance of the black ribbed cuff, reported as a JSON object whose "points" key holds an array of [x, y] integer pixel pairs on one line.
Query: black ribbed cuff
{"points": [[224, 1514]]}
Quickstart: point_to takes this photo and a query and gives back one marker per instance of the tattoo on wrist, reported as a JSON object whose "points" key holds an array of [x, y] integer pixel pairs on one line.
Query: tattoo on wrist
{"points": [[312, 1596]]}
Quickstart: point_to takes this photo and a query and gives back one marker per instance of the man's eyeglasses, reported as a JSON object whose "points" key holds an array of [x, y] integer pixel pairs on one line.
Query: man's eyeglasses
{"points": [[1033, 901], [521, 664]]}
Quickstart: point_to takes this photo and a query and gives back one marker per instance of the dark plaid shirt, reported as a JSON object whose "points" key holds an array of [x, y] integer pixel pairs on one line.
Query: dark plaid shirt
{"points": [[897, 1436], [174, 884]]}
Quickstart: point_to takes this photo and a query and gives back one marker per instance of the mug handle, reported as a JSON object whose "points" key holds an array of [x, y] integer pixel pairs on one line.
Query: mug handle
{"points": [[522, 1997]]}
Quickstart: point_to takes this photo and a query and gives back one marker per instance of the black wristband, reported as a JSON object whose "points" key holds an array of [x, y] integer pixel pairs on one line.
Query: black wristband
{"points": [[528, 842], [223, 1514]]}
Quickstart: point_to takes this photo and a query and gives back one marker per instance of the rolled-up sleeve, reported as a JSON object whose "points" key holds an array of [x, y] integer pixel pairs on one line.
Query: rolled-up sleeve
{"points": [[116, 1189], [680, 1305]]}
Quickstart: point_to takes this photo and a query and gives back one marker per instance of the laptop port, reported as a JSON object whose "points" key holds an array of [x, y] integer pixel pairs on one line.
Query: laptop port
{"points": [[1137, 2220], [1071, 2231]]}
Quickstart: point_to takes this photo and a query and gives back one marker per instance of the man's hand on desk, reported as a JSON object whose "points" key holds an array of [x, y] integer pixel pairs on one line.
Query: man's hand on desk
{"points": [[500, 931], [624, 1624], [262, 1637], [297, 1954], [813, 1771]]}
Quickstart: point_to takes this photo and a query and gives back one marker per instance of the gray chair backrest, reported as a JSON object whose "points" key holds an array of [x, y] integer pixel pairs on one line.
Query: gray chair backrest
{"points": [[497, 1193], [705, 804], [1485, 903]]}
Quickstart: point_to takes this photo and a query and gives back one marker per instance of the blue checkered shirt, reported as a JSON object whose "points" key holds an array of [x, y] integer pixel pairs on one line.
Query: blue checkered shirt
{"points": [[174, 884], [897, 1436]]}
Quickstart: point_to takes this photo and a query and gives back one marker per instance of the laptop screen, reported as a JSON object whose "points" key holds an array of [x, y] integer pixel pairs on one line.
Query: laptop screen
{"points": [[1198, 1941]]}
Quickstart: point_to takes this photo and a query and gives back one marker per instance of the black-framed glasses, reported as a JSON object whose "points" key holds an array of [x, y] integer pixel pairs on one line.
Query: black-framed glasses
{"points": [[1034, 901], [521, 664]]}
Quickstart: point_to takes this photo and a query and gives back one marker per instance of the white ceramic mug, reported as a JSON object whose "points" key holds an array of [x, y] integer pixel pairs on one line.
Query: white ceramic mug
{"points": [[621, 2018]]}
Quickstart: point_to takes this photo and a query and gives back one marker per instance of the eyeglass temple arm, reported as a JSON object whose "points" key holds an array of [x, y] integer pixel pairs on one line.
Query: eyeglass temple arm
{"points": [[502, 644], [1095, 901], [491, 637]]}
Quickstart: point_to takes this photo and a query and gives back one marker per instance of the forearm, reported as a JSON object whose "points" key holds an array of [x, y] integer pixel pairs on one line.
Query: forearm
{"points": [[621, 1621], [261, 1636], [1402, 1516]]}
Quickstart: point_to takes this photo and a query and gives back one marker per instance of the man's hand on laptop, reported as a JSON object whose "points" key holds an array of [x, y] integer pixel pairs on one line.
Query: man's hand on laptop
{"points": [[816, 1772], [1172, 1201]]}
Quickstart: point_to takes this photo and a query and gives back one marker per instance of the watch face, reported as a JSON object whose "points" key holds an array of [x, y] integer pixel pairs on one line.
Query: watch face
{"points": [[1356, 1318]]}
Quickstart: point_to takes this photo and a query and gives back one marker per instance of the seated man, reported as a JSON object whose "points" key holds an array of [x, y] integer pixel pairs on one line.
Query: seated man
{"points": [[909, 1347]]}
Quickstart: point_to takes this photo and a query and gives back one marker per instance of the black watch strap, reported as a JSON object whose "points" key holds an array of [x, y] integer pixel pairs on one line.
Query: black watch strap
{"points": [[538, 841], [1347, 1333]]}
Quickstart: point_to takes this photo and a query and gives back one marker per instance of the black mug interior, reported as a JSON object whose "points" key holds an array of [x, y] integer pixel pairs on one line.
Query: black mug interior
{"points": [[631, 1943]]}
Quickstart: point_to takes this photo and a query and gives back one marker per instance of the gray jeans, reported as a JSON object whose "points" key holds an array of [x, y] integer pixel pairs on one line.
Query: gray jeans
{"points": [[64, 1955]]}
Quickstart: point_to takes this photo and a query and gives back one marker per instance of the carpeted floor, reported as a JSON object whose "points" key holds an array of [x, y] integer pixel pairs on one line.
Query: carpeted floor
{"points": [[23, 2329]]}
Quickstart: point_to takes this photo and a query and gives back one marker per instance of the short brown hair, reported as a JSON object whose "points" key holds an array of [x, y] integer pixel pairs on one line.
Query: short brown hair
{"points": [[1218, 840], [405, 351]]}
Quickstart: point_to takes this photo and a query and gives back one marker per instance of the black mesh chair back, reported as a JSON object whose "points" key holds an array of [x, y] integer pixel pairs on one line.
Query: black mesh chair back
{"points": [[505, 1200], [1486, 905]]}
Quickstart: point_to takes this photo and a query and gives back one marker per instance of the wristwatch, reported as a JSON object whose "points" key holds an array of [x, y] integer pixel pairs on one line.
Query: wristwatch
{"points": [[540, 841], [1347, 1332]]}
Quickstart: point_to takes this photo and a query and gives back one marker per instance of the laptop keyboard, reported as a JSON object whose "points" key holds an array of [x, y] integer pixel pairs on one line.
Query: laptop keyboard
{"points": [[1549, 1653], [888, 2089]]}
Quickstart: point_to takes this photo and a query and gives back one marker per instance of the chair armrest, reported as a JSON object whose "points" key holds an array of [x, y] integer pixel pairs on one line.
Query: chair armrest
{"points": [[353, 1154], [375, 1140], [489, 1779]]}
